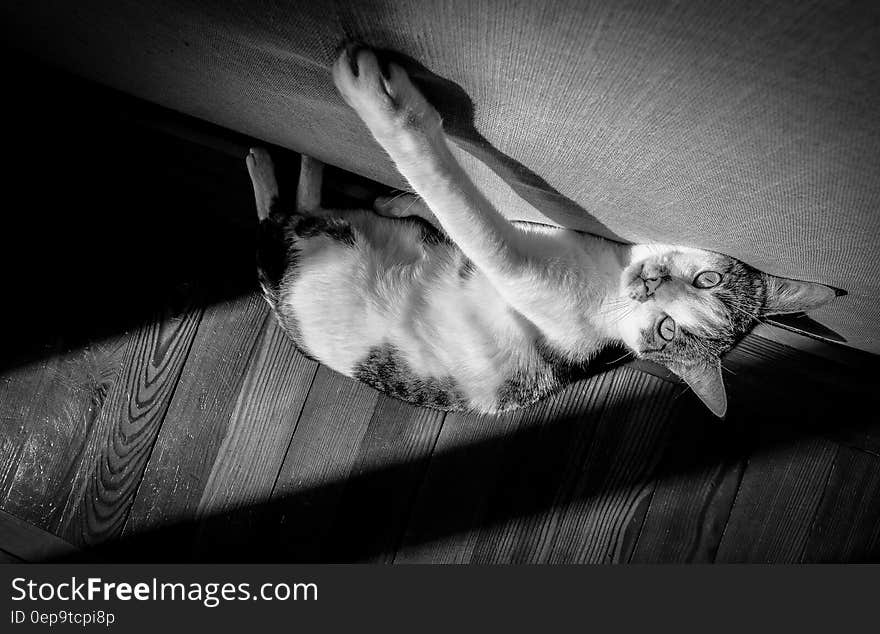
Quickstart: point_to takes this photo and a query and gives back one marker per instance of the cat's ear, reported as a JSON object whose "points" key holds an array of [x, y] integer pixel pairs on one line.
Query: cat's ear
{"points": [[792, 296], [706, 382]]}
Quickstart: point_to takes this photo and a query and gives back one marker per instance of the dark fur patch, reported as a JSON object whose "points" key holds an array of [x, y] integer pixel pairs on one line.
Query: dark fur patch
{"points": [[335, 228], [385, 370], [278, 256], [553, 374], [744, 294], [273, 255], [466, 269], [523, 390]]}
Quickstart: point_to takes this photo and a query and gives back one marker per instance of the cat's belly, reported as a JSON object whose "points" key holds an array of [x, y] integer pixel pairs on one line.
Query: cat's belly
{"points": [[433, 332], [430, 329], [463, 332]]}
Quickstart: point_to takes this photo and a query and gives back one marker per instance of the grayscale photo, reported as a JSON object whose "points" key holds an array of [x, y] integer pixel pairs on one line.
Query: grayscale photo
{"points": [[458, 282]]}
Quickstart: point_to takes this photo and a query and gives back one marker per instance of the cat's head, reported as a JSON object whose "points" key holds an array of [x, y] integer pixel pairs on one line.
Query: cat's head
{"points": [[684, 308]]}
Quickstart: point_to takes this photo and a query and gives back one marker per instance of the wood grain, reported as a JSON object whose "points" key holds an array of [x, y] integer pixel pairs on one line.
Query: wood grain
{"points": [[259, 432], [603, 515], [846, 527], [51, 409], [197, 420], [321, 458], [388, 469], [451, 503], [777, 499], [507, 489], [696, 484], [537, 472], [116, 454], [262, 424]]}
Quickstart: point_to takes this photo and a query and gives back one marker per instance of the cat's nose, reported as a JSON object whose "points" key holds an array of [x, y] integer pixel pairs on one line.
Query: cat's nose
{"points": [[651, 284]]}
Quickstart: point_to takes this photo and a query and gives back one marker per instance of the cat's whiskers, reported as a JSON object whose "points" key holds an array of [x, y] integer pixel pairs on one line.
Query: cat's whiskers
{"points": [[738, 307], [620, 317], [621, 358], [409, 206], [725, 368], [616, 311], [398, 195]]}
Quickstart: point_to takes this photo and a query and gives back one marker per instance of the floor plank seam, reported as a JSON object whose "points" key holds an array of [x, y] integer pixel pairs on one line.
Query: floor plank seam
{"points": [[295, 428], [732, 505], [818, 508], [414, 496], [635, 545]]}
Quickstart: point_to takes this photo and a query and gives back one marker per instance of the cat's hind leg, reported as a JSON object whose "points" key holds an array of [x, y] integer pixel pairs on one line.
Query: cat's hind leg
{"points": [[262, 173], [308, 190]]}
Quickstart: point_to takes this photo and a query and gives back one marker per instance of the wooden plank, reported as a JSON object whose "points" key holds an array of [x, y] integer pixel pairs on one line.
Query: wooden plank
{"points": [[836, 400], [258, 435], [196, 423], [795, 407], [778, 497], [344, 492], [262, 424], [785, 407], [536, 474], [449, 506], [53, 408], [389, 466], [697, 482], [602, 516], [846, 527], [498, 488], [23, 391], [27, 542], [114, 458], [321, 457]]}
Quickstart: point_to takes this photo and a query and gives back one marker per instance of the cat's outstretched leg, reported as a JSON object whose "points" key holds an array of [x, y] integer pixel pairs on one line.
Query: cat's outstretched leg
{"points": [[262, 172], [542, 276], [410, 130]]}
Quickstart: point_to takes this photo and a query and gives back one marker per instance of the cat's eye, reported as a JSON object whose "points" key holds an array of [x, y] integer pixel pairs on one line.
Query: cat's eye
{"points": [[667, 329], [707, 279]]}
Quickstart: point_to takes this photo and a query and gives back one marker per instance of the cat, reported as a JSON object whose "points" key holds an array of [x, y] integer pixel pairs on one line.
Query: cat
{"points": [[437, 299]]}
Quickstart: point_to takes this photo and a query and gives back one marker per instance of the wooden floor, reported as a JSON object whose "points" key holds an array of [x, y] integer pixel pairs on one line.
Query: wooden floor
{"points": [[152, 411]]}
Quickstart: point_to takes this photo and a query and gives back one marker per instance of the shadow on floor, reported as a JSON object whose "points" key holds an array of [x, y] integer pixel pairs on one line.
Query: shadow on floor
{"points": [[542, 470]]}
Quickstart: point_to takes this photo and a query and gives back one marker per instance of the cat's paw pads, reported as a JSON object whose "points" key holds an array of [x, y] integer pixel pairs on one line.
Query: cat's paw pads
{"points": [[385, 99]]}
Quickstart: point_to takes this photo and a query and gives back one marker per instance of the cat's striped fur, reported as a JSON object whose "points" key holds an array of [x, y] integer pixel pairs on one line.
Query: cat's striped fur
{"points": [[441, 301]]}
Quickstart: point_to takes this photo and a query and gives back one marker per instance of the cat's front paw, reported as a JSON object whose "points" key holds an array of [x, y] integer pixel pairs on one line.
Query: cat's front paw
{"points": [[382, 95]]}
